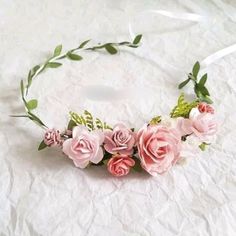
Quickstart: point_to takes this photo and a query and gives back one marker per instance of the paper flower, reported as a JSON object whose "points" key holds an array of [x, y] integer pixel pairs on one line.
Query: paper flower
{"points": [[119, 165], [120, 140], [84, 146], [159, 148]]}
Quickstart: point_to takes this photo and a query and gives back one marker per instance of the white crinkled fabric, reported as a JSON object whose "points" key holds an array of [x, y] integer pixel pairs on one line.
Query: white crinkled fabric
{"points": [[42, 193]]}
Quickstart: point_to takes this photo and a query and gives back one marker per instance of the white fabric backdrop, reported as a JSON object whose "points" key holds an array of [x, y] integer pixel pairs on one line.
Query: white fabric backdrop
{"points": [[42, 193]]}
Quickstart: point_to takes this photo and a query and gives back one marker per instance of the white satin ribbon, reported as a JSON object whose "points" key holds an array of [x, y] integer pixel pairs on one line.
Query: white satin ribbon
{"points": [[180, 16], [195, 18], [218, 55], [175, 15]]}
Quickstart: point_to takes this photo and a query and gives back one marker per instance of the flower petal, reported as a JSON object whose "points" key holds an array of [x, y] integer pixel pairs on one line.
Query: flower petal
{"points": [[98, 157]]}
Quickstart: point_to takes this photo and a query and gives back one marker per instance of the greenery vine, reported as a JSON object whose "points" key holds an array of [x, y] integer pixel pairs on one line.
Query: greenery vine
{"points": [[54, 62]]}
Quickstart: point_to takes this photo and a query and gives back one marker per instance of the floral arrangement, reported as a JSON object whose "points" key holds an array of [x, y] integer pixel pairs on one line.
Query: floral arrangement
{"points": [[155, 147]]}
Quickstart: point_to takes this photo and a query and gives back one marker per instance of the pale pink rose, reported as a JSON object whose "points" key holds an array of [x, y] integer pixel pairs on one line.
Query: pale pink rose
{"points": [[119, 165], [159, 148], [52, 137], [204, 107], [84, 146], [203, 125], [184, 126], [120, 140]]}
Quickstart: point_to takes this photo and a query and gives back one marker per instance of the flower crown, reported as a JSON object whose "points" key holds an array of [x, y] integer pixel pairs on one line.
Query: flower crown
{"points": [[156, 147]]}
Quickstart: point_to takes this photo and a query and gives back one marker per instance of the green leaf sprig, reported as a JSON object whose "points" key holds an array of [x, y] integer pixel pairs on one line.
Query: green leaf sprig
{"points": [[203, 146], [200, 89], [29, 106], [183, 108], [54, 62], [155, 120], [87, 120]]}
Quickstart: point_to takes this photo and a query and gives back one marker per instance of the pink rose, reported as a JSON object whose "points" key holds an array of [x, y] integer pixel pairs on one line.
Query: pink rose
{"points": [[120, 140], [204, 107], [52, 137], [84, 146], [119, 165], [159, 148], [203, 125]]}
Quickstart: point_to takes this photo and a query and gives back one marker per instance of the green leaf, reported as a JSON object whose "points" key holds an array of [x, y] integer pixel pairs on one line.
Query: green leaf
{"points": [[74, 57], [201, 90], [112, 50], [181, 85], [196, 90], [25, 116], [78, 119], [137, 39], [32, 104], [35, 69], [71, 125], [196, 69], [203, 146], [205, 99], [22, 89], [203, 79], [57, 50], [31, 74], [208, 100], [84, 43], [89, 120], [204, 91], [137, 167], [106, 126], [29, 84], [99, 124], [42, 145], [155, 120], [53, 64], [183, 108]]}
